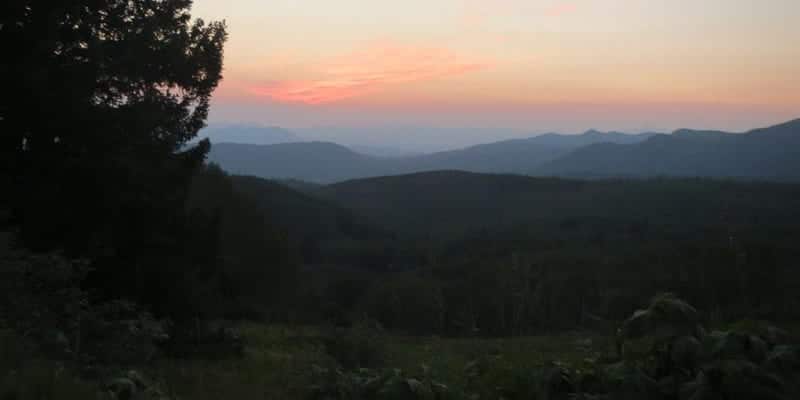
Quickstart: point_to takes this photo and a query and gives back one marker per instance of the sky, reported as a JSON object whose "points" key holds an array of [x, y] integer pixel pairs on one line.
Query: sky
{"points": [[514, 65]]}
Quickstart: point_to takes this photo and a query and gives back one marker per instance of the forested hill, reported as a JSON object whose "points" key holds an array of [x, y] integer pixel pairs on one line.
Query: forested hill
{"points": [[446, 201], [769, 153], [310, 226], [299, 213]]}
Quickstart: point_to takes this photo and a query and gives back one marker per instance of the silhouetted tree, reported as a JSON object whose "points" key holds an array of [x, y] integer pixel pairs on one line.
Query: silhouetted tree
{"points": [[100, 101]]}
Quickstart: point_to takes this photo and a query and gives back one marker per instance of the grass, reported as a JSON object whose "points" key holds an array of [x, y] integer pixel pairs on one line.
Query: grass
{"points": [[279, 361], [277, 365], [447, 358]]}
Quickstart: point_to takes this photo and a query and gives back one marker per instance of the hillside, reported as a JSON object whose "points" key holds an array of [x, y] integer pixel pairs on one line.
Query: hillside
{"points": [[769, 153], [300, 214], [452, 201]]}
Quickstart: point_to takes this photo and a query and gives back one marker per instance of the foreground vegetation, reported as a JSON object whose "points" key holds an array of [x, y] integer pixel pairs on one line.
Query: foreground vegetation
{"points": [[295, 362], [665, 354]]}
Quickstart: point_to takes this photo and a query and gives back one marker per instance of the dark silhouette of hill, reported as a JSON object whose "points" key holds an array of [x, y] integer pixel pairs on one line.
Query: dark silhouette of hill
{"points": [[324, 162], [768, 153], [301, 214], [248, 134], [315, 230], [447, 202]]}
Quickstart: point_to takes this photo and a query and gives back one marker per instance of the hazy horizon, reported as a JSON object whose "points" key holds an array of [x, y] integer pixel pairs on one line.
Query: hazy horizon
{"points": [[427, 139]]}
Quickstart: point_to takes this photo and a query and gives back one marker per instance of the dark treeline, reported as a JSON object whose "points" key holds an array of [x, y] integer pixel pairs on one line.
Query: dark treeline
{"points": [[501, 255]]}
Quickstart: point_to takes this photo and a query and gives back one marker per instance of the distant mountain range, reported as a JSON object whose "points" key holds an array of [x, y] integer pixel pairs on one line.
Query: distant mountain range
{"points": [[770, 153], [324, 162]]}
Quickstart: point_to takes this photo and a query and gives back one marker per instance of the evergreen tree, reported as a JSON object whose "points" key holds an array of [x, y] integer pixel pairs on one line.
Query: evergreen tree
{"points": [[100, 102]]}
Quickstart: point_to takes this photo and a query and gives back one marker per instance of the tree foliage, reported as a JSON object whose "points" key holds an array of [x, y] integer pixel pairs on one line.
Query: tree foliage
{"points": [[100, 101]]}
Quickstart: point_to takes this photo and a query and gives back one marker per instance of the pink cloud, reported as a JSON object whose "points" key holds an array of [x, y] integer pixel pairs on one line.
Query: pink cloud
{"points": [[373, 68]]}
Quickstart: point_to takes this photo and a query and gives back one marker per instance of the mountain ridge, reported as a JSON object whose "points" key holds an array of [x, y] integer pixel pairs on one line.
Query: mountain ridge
{"points": [[771, 153]]}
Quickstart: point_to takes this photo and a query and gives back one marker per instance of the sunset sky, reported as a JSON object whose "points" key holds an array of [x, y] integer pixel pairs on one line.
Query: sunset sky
{"points": [[535, 65]]}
